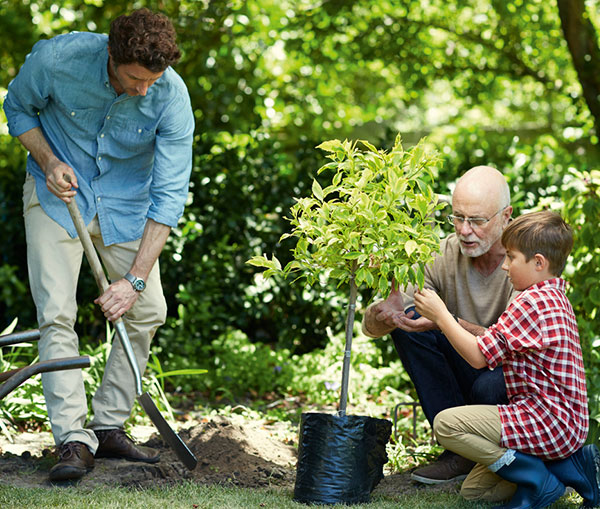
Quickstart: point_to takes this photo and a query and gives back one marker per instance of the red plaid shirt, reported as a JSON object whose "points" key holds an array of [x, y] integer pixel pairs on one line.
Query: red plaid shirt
{"points": [[537, 341]]}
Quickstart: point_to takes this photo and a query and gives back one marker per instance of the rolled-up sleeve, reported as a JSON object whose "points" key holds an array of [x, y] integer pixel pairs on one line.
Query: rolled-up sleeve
{"points": [[491, 345], [516, 331], [29, 91], [172, 163]]}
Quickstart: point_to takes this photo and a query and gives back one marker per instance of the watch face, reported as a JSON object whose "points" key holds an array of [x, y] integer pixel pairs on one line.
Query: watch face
{"points": [[139, 285]]}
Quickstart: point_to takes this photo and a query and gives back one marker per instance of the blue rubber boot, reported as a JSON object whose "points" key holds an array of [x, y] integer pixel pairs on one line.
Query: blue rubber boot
{"points": [[581, 471], [536, 486]]}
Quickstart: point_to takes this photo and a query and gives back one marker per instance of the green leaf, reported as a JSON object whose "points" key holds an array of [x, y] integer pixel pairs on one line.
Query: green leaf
{"points": [[420, 277], [330, 146], [383, 285], [293, 265], [259, 261], [410, 247], [371, 147], [187, 371], [361, 274], [353, 255], [317, 190], [400, 275]]}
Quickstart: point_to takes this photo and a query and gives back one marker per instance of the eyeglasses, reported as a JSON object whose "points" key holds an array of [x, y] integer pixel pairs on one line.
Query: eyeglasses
{"points": [[474, 222]]}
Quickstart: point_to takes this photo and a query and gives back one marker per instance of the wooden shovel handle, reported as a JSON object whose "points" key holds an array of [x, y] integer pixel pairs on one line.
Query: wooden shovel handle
{"points": [[86, 241]]}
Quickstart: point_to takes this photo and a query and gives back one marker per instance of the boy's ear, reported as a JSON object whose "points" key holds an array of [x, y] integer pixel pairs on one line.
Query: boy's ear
{"points": [[541, 262]]}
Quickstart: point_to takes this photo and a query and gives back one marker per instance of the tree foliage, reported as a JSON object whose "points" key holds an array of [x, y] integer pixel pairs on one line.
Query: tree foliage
{"points": [[511, 83], [373, 224]]}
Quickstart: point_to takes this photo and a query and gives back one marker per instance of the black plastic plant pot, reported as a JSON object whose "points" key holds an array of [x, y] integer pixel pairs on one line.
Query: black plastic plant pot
{"points": [[340, 459]]}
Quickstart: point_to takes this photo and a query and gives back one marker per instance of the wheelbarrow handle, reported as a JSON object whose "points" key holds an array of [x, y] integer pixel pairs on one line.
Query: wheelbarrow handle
{"points": [[19, 337], [18, 376], [5, 375]]}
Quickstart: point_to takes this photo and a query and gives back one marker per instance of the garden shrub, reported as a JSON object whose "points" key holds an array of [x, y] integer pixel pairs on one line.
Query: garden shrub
{"points": [[580, 205]]}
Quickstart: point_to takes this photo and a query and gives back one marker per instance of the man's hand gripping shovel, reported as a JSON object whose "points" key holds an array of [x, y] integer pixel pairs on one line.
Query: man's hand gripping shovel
{"points": [[173, 439]]}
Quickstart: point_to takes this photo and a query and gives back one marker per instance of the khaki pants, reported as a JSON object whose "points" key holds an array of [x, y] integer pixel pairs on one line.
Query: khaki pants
{"points": [[474, 432], [54, 260]]}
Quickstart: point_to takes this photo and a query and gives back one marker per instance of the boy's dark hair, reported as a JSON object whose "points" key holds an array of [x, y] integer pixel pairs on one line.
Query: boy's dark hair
{"points": [[543, 232], [145, 38]]}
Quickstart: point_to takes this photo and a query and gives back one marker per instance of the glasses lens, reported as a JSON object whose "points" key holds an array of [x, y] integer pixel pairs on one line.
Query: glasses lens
{"points": [[474, 222], [477, 222], [456, 220]]}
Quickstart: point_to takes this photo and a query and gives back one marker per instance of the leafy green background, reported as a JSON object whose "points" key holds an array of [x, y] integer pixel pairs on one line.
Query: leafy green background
{"points": [[510, 83]]}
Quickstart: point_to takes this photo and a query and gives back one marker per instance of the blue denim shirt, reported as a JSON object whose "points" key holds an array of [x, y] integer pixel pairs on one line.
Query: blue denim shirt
{"points": [[132, 155]]}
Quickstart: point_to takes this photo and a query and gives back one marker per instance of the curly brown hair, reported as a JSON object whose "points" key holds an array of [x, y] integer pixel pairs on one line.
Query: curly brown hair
{"points": [[145, 38]]}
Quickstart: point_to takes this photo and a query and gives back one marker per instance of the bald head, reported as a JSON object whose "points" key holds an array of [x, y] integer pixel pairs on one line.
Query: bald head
{"points": [[481, 194], [482, 185]]}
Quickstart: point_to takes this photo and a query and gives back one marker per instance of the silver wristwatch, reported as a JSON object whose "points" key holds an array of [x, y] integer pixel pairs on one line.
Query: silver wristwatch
{"points": [[137, 282]]}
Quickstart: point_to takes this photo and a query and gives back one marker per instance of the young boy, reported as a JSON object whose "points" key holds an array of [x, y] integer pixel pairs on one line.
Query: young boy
{"points": [[537, 342]]}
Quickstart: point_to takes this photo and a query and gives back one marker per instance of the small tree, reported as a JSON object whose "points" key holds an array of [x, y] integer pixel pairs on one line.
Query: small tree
{"points": [[373, 224]]}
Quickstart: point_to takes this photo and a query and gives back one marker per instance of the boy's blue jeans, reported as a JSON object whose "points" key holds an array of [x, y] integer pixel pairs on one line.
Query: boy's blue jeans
{"points": [[442, 378]]}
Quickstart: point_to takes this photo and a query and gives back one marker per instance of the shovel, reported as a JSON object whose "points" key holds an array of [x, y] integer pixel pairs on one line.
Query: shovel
{"points": [[173, 439]]}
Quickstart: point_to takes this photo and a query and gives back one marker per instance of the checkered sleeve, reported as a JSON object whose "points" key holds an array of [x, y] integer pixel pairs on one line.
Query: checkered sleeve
{"points": [[517, 330]]}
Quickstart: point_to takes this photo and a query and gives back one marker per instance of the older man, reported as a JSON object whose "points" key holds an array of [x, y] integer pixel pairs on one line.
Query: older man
{"points": [[469, 278]]}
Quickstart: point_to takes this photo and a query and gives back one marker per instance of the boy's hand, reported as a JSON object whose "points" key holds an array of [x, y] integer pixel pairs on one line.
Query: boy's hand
{"points": [[429, 304], [409, 324]]}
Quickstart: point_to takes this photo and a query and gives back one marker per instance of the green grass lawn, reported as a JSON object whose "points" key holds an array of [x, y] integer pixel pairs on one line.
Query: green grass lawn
{"points": [[217, 497]]}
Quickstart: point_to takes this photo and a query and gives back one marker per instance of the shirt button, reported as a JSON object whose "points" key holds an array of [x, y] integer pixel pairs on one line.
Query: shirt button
{"points": [[99, 158], [99, 199], [107, 117], [72, 113], [102, 135], [139, 131]]}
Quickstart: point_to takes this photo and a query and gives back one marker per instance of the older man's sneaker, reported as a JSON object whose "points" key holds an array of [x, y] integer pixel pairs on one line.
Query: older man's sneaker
{"points": [[114, 443], [74, 461], [448, 467]]}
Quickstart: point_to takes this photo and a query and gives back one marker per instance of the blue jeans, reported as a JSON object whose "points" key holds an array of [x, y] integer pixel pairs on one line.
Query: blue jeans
{"points": [[442, 378]]}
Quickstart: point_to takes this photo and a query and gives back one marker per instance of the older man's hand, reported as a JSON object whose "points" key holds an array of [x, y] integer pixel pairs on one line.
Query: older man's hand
{"points": [[388, 311]]}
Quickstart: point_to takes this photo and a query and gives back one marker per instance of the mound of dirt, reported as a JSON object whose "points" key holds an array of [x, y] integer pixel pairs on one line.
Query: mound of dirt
{"points": [[252, 454], [248, 455]]}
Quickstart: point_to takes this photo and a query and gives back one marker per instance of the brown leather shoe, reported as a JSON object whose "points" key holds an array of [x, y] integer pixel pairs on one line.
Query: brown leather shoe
{"points": [[448, 467], [114, 443], [75, 460]]}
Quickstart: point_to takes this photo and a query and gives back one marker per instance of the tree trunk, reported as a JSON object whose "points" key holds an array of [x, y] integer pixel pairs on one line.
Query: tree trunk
{"points": [[348, 348], [582, 41]]}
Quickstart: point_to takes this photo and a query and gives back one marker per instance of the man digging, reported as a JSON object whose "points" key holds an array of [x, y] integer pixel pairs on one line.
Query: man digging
{"points": [[111, 114]]}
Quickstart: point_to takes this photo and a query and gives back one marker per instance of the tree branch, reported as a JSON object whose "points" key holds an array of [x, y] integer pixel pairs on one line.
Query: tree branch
{"points": [[582, 39]]}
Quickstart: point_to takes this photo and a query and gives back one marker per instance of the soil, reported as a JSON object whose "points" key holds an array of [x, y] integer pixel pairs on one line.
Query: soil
{"points": [[252, 454]]}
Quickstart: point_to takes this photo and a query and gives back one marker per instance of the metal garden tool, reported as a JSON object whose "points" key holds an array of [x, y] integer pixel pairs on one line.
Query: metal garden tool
{"points": [[173, 439]]}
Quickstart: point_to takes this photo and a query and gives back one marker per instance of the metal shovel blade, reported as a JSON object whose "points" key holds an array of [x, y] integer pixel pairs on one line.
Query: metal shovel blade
{"points": [[166, 432], [172, 438]]}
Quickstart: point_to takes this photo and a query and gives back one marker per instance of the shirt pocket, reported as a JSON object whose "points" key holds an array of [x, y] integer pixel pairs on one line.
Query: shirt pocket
{"points": [[133, 140], [80, 123]]}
